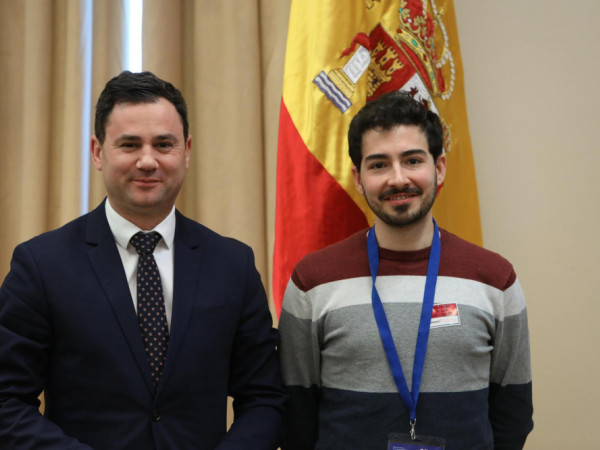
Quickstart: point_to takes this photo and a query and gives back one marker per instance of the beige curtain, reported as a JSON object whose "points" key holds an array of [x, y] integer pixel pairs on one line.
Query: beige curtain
{"points": [[227, 57], [39, 110]]}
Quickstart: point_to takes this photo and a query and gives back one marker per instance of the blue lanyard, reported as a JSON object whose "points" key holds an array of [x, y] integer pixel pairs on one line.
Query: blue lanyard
{"points": [[409, 398]]}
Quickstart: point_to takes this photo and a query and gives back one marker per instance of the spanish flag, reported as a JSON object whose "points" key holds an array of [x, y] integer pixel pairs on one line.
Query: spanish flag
{"points": [[340, 55]]}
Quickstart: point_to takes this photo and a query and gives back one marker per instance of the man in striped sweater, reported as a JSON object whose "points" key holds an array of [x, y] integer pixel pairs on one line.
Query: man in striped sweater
{"points": [[404, 328]]}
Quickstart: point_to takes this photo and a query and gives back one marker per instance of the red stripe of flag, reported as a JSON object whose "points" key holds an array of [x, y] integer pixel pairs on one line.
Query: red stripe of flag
{"points": [[312, 209]]}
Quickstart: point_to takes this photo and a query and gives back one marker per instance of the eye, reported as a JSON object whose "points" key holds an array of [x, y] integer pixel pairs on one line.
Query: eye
{"points": [[376, 165], [164, 146], [128, 145], [413, 161]]}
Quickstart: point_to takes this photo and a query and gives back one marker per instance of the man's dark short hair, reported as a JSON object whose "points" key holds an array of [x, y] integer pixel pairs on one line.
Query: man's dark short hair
{"points": [[142, 87], [388, 111]]}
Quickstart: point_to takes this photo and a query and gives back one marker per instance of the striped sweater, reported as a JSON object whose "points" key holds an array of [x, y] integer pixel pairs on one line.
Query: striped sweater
{"points": [[476, 385]]}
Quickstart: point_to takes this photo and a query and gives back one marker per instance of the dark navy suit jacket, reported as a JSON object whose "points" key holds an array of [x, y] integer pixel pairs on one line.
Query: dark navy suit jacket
{"points": [[68, 327]]}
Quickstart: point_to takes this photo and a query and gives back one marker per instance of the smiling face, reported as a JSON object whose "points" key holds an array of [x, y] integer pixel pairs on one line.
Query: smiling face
{"points": [[398, 176], [143, 160]]}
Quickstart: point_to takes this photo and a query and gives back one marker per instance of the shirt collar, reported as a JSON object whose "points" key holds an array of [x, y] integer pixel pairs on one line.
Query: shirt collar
{"points": [[122, 229]]}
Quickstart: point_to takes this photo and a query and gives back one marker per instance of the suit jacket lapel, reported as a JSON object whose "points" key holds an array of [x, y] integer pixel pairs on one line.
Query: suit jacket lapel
{"points": [[106, 261], [186, 271]]}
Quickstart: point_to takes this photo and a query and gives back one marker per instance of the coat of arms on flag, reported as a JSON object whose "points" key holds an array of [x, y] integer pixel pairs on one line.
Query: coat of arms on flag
{"points": [[410, 58]]}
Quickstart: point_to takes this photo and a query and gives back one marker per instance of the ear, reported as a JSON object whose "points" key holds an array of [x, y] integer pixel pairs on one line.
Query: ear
{"points": [[357, 181], [188, 149], [96, 152], [440, 169]]}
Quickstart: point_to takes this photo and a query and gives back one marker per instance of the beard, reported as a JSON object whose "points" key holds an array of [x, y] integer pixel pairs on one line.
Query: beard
{"points": [[401, 216]]}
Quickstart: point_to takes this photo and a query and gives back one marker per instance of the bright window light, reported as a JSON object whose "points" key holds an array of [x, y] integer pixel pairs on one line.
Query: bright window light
{"points": [[133, 35], [86, 104]]}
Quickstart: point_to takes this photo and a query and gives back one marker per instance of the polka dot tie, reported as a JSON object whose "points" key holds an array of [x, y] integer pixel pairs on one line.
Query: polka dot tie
{"points": [[151, 303]]}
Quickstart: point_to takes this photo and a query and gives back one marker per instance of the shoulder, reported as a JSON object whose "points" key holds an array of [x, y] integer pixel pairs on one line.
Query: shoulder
{"points": [[59, 251], [197, 235], [464, 259], [342, 260], [71, 233]]}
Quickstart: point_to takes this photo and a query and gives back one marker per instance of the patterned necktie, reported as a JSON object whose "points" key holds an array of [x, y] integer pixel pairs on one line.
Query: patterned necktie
{"points": [[151, 303]]}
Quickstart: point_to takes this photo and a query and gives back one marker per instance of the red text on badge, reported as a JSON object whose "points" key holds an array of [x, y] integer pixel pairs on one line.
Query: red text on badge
{"points": [[445, 315]]}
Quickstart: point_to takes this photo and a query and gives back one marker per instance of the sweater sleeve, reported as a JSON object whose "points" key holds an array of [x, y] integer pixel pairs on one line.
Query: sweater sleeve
{"points": [[510, 396], [300, 359]]}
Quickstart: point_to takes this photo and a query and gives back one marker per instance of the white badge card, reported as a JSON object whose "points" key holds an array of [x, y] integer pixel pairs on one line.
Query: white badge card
{"points": [[405, 442]]}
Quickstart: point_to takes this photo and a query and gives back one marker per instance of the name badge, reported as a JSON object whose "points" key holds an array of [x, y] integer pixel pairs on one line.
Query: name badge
{"points": [[399, 441], [445, 315]]}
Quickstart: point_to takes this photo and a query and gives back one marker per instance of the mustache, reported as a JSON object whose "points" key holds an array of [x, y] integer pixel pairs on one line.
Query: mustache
{"points": [[395, 191]]}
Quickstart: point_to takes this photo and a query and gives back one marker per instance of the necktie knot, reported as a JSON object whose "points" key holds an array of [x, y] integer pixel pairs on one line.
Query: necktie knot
{"points": [[145, 243]]}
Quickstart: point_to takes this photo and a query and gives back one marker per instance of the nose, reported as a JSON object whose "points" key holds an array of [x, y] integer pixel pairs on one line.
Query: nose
{"points": [[397, 176], [146, 160]]}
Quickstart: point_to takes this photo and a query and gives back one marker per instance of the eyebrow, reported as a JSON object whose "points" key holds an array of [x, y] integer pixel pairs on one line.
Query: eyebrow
{"points": [[127, 137], [160, 137], [403, 154], [165, 137]]}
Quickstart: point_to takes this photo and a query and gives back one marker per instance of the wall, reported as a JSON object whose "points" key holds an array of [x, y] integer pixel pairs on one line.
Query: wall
{"points": [[531, 72]]}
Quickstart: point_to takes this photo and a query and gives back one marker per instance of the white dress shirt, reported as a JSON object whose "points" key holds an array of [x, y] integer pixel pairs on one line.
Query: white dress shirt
{"points": [[123, 230]]}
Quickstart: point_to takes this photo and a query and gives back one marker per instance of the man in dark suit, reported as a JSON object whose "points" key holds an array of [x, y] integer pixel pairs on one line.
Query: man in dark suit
{"points": [[120, 368]]}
